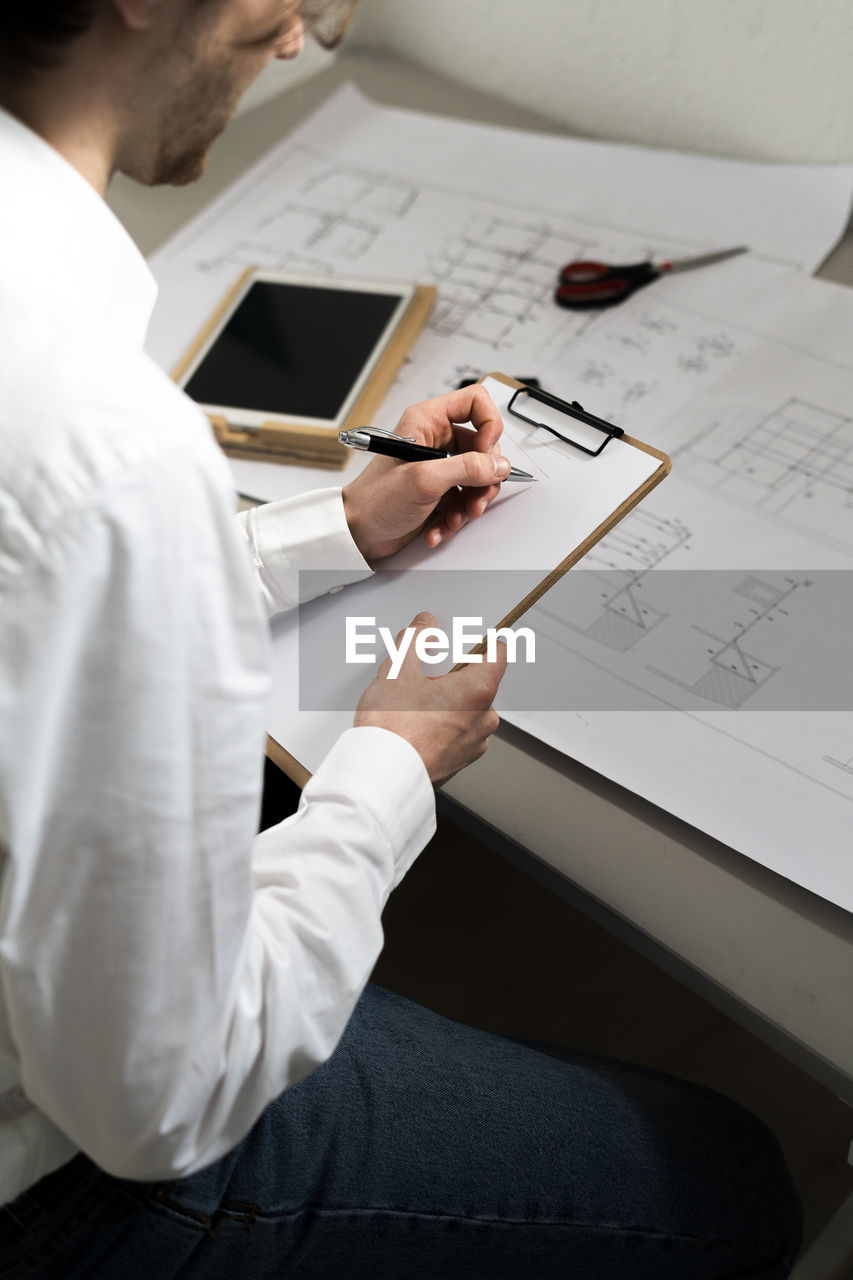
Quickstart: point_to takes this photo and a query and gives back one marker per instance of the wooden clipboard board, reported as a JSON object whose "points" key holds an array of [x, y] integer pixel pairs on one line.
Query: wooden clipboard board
{"points": [[298, 773], [308, 445]]}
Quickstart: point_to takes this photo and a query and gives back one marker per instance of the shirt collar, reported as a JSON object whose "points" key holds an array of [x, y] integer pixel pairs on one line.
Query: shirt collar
{"points": [[68, 238]]}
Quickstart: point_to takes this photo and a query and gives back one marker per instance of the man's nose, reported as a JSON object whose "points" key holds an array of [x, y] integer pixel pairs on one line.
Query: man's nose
{"points": [[292, 44]]}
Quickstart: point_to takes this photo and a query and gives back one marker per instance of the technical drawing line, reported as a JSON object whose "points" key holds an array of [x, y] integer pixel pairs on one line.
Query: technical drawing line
{"points": [[650, 237], [622, 619], [733, 674], [845, 765], [793, 464]]}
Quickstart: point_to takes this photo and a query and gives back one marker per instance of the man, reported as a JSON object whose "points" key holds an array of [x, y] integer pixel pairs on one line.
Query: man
{"points": [[191, 1080]]}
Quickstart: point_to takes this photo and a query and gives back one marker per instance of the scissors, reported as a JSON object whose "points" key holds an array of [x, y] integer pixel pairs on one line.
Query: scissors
{"points": [[599, 284]]}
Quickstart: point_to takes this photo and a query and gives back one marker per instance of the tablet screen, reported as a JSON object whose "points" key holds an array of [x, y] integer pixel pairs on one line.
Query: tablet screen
{"points": [[293, 350]]}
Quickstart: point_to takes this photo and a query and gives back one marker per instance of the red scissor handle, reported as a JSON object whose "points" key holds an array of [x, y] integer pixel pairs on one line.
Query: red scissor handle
{"points": [[597, 284], [582, 272]]}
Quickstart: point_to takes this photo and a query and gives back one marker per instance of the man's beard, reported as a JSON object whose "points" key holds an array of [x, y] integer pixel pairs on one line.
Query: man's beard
{"points": [[180, 169], [190, 127]]}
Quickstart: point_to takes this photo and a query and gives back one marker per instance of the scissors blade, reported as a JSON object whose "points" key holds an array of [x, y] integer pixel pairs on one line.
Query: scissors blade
{"points": [[703, 260]]}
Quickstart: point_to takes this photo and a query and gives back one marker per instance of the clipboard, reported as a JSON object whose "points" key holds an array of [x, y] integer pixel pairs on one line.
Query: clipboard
{"points": [[588, 446], [307, 445], [574, 413]]}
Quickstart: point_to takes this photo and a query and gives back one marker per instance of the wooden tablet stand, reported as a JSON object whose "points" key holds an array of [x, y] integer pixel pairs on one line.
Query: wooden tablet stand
{"points": [[308, 445]]}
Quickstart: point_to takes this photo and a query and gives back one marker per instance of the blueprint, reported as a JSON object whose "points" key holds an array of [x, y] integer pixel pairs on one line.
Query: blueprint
{"points": [[743, 373], [490, 215], [762, 482]]}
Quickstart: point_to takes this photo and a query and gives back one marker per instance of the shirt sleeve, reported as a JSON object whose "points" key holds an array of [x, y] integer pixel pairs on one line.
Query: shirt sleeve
{"points": [[167, 973], [302, 533]]}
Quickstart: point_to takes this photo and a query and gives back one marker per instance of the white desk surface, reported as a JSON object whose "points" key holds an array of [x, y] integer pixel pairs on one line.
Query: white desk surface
{"points": [[772, 955]]}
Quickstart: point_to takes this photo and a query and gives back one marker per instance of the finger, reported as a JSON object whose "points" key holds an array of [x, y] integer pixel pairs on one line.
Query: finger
{"points": [[464, 439], [487, 675], [434, 420], [476, 500], [420, 621], [456, 509], [447, 520], [411, 664], [470, 470], [481, 412], [497, 667], [476, 683]]}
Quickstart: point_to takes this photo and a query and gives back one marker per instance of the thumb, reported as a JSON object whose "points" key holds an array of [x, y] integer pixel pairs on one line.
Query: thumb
{"points": [[488, 672], [497, 667], [411, 662]]}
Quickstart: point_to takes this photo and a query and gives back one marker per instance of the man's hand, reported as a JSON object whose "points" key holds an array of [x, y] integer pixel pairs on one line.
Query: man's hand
{"points": [[447, 719], [390, 502]]}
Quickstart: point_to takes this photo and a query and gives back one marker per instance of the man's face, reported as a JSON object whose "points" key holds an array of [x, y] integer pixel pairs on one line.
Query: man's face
{"points": [[197, 69]]}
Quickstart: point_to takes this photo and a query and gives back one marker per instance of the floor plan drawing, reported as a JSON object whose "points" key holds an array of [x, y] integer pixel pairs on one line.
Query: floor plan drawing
{"points": [[794, 463], [499, 276], [331, 214]]}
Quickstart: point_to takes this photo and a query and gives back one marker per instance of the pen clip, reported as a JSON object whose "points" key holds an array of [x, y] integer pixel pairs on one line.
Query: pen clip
{"points": [[380, 431]]}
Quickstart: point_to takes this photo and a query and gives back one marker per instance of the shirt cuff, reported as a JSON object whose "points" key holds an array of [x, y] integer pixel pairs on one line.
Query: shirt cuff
{"points": [[389, 778], [309, 531]]}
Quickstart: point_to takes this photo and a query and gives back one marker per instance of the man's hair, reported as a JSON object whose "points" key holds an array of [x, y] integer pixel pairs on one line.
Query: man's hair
{"points": [[34, 34]]}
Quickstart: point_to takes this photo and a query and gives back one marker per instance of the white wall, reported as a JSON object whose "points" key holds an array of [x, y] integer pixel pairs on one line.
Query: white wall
{"points": [[765, 79]]}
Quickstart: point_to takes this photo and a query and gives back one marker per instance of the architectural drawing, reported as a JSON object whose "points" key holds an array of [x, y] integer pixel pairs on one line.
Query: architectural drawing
{"points": [[332, 216], [845, 765], [794, 463], [640, 542], [606, 601], [295, 234], [670, 339], [496, 270], [499, 276], [733, 672]]}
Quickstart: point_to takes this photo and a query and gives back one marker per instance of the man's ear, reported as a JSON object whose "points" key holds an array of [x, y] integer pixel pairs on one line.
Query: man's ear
{"points": [[136, 15]]}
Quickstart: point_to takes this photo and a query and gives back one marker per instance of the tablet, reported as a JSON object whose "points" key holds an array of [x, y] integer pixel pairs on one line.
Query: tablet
{"points": [[294, 350]]}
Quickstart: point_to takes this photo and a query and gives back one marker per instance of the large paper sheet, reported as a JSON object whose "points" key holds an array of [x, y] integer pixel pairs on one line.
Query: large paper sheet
{"points": [[762, 482], [743, 372], [489, 215]]}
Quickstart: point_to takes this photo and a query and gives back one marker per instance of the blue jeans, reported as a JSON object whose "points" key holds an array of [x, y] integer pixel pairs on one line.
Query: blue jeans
{"points": [[424, 1150]]}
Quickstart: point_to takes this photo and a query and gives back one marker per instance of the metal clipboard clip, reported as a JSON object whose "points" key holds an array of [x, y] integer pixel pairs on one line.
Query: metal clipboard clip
{"points": [[571, 410]]}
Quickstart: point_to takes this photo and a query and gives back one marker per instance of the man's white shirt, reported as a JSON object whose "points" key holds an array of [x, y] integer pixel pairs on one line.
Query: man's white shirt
{"points": [[164, 974]]}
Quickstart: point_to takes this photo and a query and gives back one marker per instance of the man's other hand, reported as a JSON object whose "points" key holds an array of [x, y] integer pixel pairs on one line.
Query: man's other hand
{"points": [[447, 719]]}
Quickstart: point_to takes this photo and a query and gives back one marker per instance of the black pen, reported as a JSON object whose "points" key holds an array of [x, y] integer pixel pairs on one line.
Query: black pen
{"points": [[375, 440]]}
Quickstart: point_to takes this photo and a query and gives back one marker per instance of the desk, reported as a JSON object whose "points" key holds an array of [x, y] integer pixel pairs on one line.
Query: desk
{"points": [[768, 953]]}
